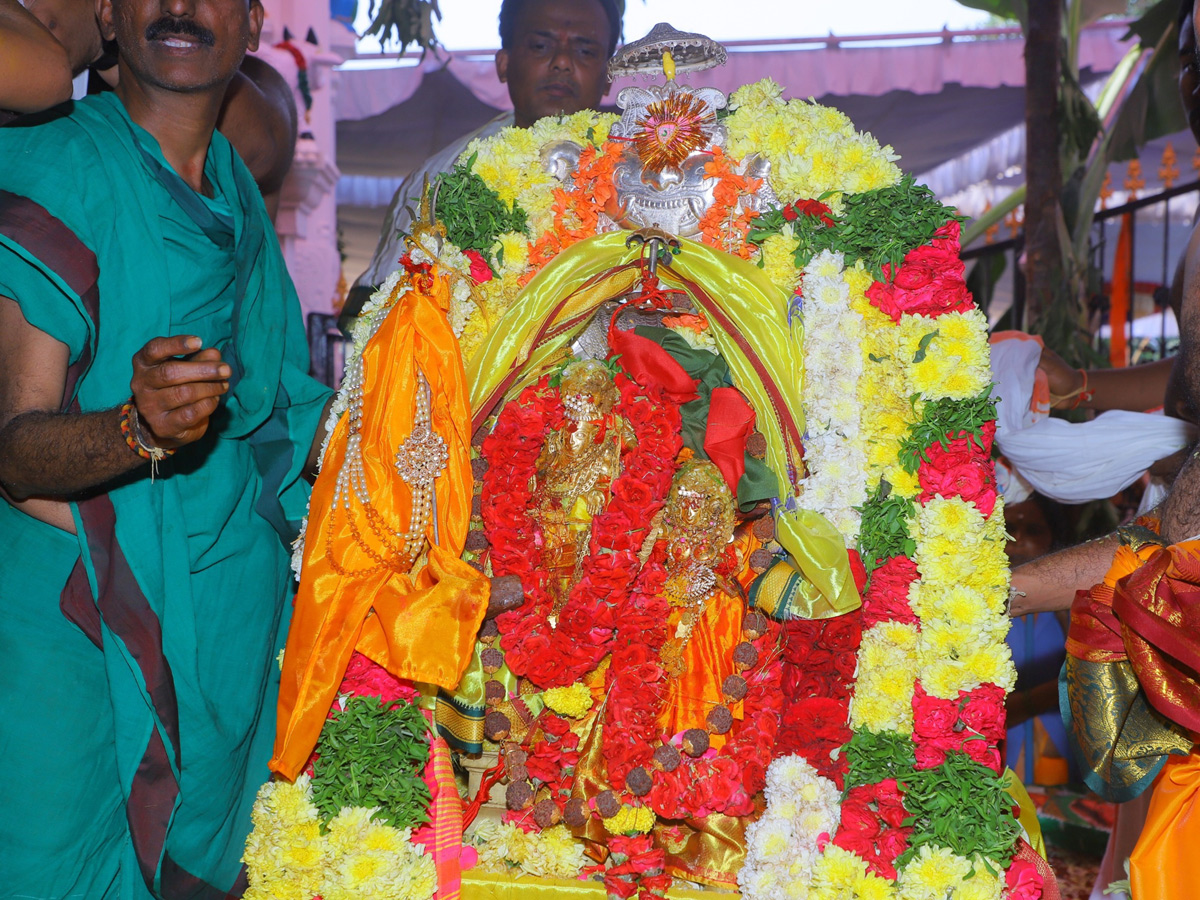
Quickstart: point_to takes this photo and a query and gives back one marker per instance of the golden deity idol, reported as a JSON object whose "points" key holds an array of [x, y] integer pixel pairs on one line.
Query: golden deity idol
{"points": [[576, 469]]}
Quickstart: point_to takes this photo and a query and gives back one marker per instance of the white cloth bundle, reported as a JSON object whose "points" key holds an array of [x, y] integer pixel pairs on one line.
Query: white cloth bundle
{"points": [[1072, 463]]}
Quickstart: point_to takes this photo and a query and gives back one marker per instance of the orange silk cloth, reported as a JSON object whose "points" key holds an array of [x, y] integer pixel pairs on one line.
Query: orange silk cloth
{"points": [[1151, 616], [708, 658], [1163, 864], [419, 625]]}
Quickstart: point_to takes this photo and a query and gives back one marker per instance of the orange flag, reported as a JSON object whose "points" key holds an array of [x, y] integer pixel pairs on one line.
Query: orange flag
{"points": [[1118, 311]]}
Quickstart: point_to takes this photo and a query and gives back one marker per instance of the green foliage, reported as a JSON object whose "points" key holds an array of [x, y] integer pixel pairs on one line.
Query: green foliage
{"points": [[474, 214], [944, 420], [1003, 9], [404, 22], [881, 226], [374, 754], [1151, 107], [875, 226], [877, 757], [884, 530], [960, 805]]}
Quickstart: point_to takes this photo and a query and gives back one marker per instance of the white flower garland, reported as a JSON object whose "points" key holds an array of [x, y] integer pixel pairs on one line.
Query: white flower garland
{"points": [[833, 447], [802, 813]]}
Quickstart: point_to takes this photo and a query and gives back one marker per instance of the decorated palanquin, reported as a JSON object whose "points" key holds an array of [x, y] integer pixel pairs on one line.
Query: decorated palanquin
{"points": [[658, 499]]}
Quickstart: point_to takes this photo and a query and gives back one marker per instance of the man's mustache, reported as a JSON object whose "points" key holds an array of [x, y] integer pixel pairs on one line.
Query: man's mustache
{"points": [[183, 27]]}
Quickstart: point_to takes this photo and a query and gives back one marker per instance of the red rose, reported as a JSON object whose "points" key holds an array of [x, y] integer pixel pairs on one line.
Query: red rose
{"points": [[543, 769], [929, 756], [984, 711], [823, 713], [480, 270], [974, 482], [959, 451], [754, 776], [842, 633], [789, 214], [819, 658], [912, 277], [845, 665], [1023, 880], [887, 596], [857, 569], [984, 753], [933, 717], [858, 822], [815, 208], [813, 683], [892, 842], [890, 803], [799, 636]]}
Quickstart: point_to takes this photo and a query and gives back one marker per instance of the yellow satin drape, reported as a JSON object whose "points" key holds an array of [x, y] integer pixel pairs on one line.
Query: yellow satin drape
{"points": [[744, 309], [489, 886], [1162, 865], [419, 625]]}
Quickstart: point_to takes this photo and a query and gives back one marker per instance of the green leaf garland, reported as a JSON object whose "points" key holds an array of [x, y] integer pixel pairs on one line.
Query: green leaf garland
{"points": [[884, 529], [373, 754], [960, 805], [875, 757], [473, 213], [943, 421]]}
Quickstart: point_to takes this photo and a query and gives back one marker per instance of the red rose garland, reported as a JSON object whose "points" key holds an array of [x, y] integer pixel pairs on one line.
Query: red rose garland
{"points": [[724, 782], [819, 661], [928, 283], [872, 825], [963, 468], [557, 656], [973, 724]]}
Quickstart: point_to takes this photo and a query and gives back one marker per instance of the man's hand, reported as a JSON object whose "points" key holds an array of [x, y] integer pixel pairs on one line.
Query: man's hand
{"points": [[176, 387], [1065, 382]]}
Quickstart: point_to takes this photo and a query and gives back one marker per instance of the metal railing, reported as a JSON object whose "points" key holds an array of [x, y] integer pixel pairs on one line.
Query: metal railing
{"points": [[997, 268]]}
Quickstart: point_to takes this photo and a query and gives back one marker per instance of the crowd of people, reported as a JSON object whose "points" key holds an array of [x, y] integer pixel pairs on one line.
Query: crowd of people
{"points": [[158, 424]]}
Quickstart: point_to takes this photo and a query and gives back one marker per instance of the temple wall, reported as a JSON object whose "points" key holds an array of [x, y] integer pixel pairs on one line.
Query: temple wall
{"points": [[307, 220]]}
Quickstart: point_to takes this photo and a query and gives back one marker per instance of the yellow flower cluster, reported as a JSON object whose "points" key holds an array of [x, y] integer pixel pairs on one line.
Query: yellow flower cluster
{"points": [[949, 354], [960, 597], [551, 853], [812, 149], [936, 873], [630, 820], [842, 875], [492, 299], [573, 701], [887, 670], [887, 413], [510, 162], [287, 857], [778, 260]]}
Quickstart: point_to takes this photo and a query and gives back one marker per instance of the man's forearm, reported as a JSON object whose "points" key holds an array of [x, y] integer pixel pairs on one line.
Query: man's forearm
{"points": [[46, 454], [1049, 583]]}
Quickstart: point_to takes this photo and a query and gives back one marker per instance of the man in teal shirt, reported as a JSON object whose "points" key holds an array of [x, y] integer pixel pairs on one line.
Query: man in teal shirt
{"points": [[155, 424]]}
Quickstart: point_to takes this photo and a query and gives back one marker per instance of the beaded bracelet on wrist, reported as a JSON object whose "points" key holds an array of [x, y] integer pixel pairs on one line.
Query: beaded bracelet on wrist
{"points": [[131, 430]]}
